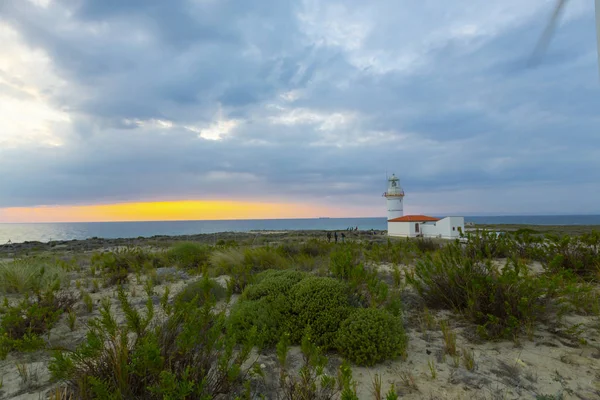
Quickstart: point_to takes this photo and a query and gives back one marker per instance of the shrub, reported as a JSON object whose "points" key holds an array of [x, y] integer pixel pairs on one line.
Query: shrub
{"points": [[189, 255], [371, 335], [189, 355], [116, 265], [485, 244], [197, 291], [343, 260], [580, 255], [499, 302], [322, 304], [29, 275]]}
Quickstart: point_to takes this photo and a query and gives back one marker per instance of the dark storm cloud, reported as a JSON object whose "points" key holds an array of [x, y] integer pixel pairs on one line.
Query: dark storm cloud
{"points": [[311, 99]]}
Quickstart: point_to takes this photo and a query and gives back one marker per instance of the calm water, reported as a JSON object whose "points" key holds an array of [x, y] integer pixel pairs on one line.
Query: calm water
{"points": [[67, 231]]}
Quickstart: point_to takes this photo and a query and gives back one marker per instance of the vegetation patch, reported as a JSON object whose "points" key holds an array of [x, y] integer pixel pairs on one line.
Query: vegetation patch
{"points": [[24, 323], [189, 355], [371, 335]]}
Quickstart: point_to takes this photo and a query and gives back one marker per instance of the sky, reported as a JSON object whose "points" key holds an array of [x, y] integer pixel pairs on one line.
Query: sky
{"points": [[224, 109]]}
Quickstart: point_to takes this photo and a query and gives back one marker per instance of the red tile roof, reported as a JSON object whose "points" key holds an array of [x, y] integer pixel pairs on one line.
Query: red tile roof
{"points": [[414, 218]]}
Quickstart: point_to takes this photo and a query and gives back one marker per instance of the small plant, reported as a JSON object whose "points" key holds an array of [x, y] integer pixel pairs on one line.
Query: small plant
{"points": [[88, 302], [468, 359], [23, 372], [164, 301], [346, 383], [376, 386], [397, 276], [311, 382], [371, 335], [408, 380], [432, 369], [391, 393], [449, 339], [71, 320], [95, 286]]}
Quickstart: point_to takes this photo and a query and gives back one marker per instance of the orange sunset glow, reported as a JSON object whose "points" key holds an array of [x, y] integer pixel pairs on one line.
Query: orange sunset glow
{"points": [[165, 211]]}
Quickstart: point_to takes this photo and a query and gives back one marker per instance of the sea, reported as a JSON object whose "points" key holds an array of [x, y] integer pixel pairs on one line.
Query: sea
{"points": [[46, 232]]}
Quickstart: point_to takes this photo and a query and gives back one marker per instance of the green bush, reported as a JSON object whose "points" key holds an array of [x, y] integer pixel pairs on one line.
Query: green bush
{"points": [[322, 304], [189, 255], [29, 275], [199, 290], [501, 303], [264, 305], [272, 283], [371, 335], [268, 316]]}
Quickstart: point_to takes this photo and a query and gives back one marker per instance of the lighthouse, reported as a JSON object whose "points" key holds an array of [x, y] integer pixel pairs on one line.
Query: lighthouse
{"points": [[394, 197]]}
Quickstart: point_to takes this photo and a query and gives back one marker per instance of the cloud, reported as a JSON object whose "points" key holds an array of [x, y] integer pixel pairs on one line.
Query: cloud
{"points": [[307, 100]]}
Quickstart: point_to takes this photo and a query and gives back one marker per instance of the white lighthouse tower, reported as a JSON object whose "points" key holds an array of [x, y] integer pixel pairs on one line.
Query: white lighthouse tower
{"points": [[394, 197]]}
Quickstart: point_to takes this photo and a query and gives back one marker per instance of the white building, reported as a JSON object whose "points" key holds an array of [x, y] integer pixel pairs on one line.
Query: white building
{"points": [[417, 225]]}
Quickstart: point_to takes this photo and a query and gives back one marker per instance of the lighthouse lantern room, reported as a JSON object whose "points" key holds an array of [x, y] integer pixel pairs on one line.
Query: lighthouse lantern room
{"points": [[394, 197]]}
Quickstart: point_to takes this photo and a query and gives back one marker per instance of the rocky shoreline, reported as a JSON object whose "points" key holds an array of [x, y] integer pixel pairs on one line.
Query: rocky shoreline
{"points": [[95, 243]]}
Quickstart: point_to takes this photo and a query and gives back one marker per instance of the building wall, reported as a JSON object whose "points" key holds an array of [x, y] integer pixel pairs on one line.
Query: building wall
{"points": [[399, 228], [442, 228], [449, 227]]}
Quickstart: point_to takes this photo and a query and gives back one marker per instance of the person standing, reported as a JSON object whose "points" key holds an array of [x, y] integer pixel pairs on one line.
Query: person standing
{"points": [[335, 236], [328, 237], [343, 237]]}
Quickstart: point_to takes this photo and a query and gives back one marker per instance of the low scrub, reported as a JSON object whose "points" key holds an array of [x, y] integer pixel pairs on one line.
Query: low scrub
{"points": [[189, 355], [189, 255], [23, 324], [29, 275], [371, 335], [500, 302]]}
